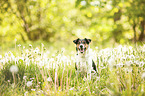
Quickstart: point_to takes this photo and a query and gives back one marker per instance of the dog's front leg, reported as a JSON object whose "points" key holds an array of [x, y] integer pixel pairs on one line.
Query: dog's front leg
{"points": [[89, 71], [89, 75]]}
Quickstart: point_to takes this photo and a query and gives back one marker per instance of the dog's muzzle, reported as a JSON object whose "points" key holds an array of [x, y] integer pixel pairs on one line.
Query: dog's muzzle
{"points": [[82, 48]]}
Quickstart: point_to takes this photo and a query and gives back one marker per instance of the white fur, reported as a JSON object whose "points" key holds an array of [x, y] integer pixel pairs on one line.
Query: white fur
{"points": [[84, 62]]}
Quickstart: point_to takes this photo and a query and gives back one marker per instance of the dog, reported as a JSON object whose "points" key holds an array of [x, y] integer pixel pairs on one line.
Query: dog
{"points": [[84, 61]]}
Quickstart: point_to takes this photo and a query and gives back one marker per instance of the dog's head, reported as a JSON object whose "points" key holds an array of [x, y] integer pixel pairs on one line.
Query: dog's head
{"points": [[82, 44]]}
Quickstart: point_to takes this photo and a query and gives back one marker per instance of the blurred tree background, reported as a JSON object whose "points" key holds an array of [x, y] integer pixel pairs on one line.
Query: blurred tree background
{"points": [[104, 21]]}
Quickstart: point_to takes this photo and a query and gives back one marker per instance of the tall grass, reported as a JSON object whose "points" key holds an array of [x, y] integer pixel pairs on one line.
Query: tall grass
{"points": [[121, 71]]}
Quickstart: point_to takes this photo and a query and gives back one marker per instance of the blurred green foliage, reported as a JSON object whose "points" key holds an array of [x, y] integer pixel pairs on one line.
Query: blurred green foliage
{"points": [[104, 21]]}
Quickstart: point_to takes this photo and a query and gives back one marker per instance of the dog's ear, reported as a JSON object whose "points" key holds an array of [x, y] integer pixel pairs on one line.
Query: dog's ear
{"points": [[75, 41], [88, 40]]}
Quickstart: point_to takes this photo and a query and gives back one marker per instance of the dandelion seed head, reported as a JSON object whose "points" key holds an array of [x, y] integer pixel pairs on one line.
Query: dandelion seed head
{"points": [[14, 69], [29, 83]]}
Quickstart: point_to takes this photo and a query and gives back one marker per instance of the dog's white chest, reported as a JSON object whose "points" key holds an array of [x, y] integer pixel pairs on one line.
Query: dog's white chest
{"points": [[84, 62]]}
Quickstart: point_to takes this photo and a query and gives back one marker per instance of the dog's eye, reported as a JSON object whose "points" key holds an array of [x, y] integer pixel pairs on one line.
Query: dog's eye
{"points": [[83, 42]]}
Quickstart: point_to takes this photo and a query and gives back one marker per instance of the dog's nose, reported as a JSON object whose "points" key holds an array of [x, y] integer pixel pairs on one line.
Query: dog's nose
{"points": [[81, 46]]}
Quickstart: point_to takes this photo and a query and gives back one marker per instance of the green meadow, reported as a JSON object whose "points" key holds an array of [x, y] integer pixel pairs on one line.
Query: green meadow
{"points": [[37, 53], [40, 72]]}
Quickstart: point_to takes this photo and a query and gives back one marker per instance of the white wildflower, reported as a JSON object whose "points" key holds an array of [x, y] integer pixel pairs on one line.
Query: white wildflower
{"points": [[83, 3], [108, 6], [21, 58], [14, 69], [37, 86], [19, 45], [36, 50], [30, 45], [42, 44], [25, 94], [29, 83], [95, 3], [63, 49], [141, 64], [120, 64], [111, 62], [27, 51], [85, 79], [53, 55], [51, 59], [124, 49], [12, 85], [6, 54], [130, 47], [64, 59], [15, 39], [24, 77], [143, 75], [96, 47], [33, 89], [32, 78], [12, 56], [8, 80], [123, 58], [47, 52], [49, 79], [71, 88], [128, 63], [23, 47], [0, 56], [40, 91]]}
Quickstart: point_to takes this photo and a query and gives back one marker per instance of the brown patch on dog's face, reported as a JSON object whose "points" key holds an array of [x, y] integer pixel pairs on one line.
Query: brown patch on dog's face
{"points": [[82, 44]]}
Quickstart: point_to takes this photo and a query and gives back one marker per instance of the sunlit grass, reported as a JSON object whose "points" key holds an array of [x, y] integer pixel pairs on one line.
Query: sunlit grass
{"points": [[38, 71]]}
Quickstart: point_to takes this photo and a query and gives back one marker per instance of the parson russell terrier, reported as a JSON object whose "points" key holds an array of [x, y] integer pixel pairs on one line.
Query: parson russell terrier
{"points": [[84, 61]]}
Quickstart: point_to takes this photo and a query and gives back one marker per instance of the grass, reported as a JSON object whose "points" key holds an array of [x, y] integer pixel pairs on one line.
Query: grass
{"points": [[121, 71]]}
